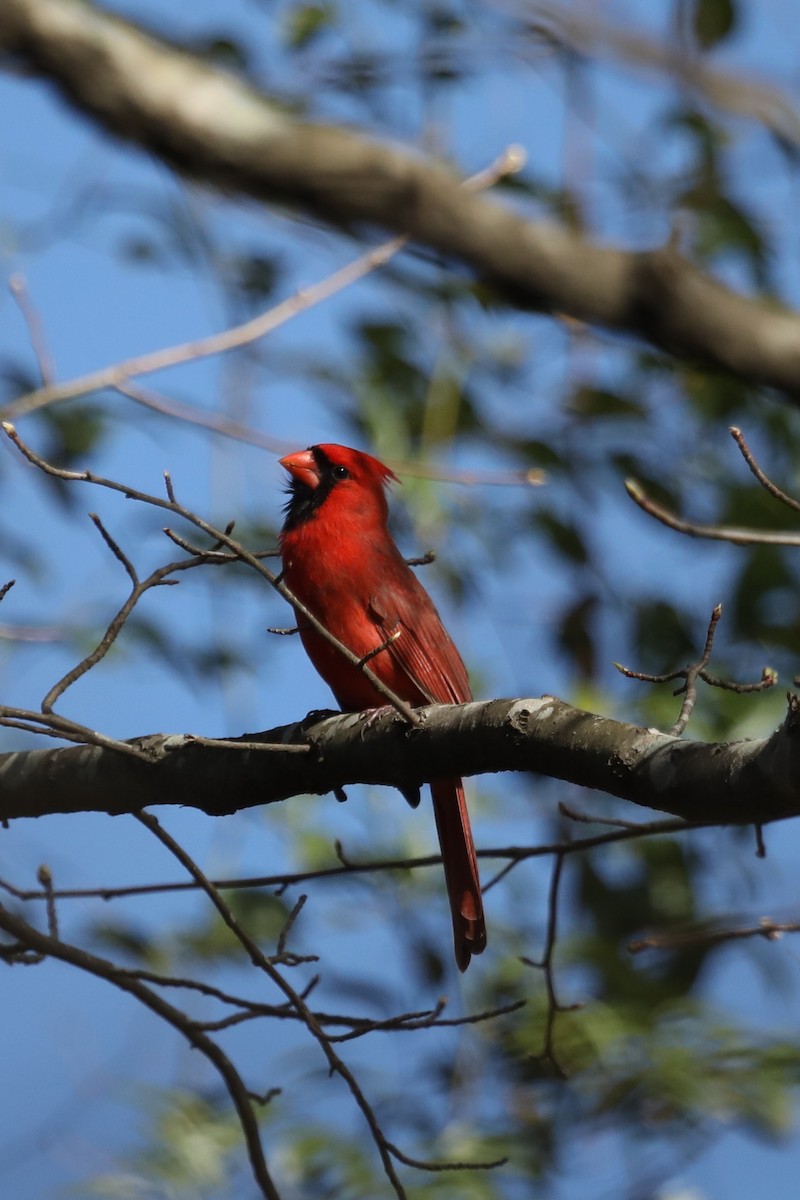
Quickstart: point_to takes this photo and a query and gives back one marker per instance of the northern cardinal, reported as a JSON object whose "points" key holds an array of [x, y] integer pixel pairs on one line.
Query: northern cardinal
{"points": [[341, 562]]}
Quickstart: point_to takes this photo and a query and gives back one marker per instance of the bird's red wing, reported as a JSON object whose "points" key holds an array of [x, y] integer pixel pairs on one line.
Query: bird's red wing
{"points": [[423, 649]]}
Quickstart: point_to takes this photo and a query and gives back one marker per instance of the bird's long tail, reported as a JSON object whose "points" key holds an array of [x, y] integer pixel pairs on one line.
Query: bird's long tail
{"points": [[460, 869]]}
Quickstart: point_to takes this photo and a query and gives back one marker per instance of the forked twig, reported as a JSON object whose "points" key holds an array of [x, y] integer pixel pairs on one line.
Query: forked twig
{"points": [[49, 946], [387, 1151], [545, 964], [694, 671], [220, 538]]}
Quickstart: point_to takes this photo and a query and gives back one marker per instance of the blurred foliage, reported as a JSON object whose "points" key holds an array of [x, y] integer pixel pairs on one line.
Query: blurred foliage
{"points": [[713, 20], [192, 1142]]}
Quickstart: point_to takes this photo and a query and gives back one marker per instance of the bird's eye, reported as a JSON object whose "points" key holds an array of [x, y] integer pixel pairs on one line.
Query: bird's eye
{"points": [[340, 472]]}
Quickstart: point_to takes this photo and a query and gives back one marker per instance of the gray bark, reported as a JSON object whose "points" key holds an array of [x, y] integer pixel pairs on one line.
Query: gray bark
{"points": [[729, 783], [220, 131]]}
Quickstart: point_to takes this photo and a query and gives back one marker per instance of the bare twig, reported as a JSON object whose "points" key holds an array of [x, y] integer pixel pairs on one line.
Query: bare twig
{"points": [[118, 376], [379, 649], [356, 1026], [159, 578], [18, 286], [32, 633], [545, 964], [387, 1150], [240, 744], [221, 538], [237, 431], [721, 533], [114, 548], [260, 960], [766, 928], [765, 482], [694, 671], [515, 854], [51, 724], [50, 946]]}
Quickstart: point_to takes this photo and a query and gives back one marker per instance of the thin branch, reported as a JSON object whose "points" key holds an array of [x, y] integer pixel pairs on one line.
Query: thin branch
{"points": [[765, 482], [769, 677], [51, 724], [45, 878], [587, 32], [47, 945], [698, 670], [158, 578], [190, 414], [117, 376], [239, 744], [336, 1064], [545, 964], [379, 649], [386, 1150], [237, 431], [515, 854], [737, 535], [18, 286], [222, 539], [356, 1026], [693, 671], [766, 928], [429, 1020], [115, 549]]}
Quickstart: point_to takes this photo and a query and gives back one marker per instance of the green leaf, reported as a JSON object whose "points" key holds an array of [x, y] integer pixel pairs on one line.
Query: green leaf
{"points": [[564, 537], [261, 912], [224, 51], [576, 635], [592, 402], [665, 638], [713, 20], [304, 23]]}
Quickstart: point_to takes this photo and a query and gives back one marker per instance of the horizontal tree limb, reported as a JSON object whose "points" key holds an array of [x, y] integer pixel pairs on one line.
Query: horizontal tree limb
{"points": [[729, 783], [219, 130]]}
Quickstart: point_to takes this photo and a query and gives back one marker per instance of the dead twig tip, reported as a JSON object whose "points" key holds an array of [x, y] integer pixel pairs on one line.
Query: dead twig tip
{"points": [[516, 158]]}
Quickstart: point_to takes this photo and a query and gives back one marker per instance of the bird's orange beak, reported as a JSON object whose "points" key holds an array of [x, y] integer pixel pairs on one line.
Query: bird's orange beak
{"points": [[302, 466]]}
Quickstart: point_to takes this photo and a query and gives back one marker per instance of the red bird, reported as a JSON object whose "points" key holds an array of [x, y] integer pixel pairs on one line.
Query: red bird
{"points": [[341, 562]]}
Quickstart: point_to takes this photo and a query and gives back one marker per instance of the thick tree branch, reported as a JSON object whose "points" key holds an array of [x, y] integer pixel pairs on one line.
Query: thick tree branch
{"points": [[218, 130], [731, 783]]}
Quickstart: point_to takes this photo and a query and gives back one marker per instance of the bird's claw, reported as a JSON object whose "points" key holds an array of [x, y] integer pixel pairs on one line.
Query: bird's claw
{"points": [[370, 715]]}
